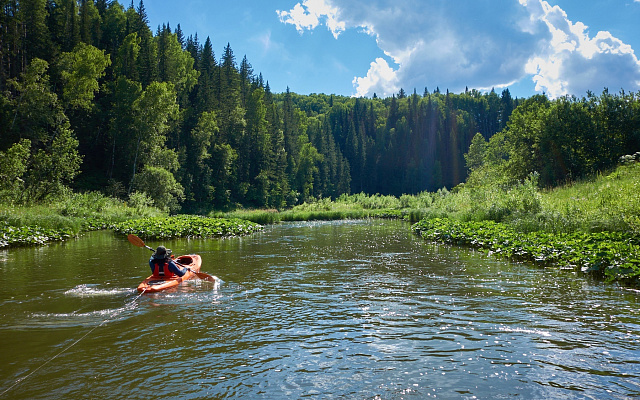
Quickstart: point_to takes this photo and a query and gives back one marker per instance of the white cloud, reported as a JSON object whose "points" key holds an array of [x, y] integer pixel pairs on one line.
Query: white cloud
{"points": [[381, 78], [475, 44], [576, 63], [308, 15]]}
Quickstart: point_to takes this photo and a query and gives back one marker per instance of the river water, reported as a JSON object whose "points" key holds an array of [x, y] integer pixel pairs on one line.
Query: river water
{"points": [[331, 310]]}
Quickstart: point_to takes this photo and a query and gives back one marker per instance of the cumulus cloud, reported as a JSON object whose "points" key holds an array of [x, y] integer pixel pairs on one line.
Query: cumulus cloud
{"points": [[309, 15], [575, 63], [475, 44], [381, 78]]}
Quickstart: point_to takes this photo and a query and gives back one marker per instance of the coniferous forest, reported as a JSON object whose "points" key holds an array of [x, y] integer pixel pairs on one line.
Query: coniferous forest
{"points": [[93, 100]]}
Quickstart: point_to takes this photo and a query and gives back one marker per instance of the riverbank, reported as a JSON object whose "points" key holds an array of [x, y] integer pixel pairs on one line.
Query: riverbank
{"points": [[357, 206], [614, 256], [72, 214], [591, 226]]}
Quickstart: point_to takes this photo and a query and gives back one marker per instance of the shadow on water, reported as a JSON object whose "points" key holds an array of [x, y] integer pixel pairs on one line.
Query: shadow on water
{"points": [[347, 309]]}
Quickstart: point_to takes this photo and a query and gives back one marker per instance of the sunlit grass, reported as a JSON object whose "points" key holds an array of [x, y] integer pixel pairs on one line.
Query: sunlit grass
{"points": [[66, 216], [605, 203]]}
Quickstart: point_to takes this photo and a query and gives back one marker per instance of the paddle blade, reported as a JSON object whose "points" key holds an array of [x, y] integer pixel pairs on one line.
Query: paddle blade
{"points": [[205, 277], [136, 241]]}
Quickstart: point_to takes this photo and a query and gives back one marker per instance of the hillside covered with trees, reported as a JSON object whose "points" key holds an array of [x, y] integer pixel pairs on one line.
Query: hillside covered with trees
{"points": [[92, 99]]}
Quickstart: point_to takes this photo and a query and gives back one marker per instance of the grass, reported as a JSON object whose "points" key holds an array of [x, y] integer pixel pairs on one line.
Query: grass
{"points": [[607, 202], [358, 206], [67, 216], [591, 226]]}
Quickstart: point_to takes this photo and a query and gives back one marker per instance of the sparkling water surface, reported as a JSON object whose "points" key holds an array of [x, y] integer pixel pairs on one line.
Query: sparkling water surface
{"points": [[342, 310]]}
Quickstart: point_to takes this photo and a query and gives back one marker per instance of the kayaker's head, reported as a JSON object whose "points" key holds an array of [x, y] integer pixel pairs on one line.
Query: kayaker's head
{"points": [[161, 253]]}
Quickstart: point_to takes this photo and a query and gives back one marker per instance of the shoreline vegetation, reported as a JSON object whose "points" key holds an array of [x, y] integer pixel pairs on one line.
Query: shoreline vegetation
{"points": [[591, 226]]}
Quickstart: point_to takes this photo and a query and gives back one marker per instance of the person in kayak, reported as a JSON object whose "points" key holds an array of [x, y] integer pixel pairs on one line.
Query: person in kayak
{"points": [[163, 266]]}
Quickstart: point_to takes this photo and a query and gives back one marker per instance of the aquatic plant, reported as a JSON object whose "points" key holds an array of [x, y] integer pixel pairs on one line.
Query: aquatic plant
{"points": [[614, 256], [188, 226], [30, 235]]}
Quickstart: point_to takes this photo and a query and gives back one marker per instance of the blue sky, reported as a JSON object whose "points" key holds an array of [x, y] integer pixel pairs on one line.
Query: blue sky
{"points": [[361, 47]]}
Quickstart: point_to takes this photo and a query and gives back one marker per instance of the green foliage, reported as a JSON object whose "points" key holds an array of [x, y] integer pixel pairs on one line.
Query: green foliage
{"points": [[96, 211], [54, 160], [562, 140], [140, 201], [161, 186], [64, 216], [175, 64], [81, 70], [262, 217], [31, 235], [370, 202], [306, 168], [34, 108], [190, 226], [477, 151], [13, 165], [614, 256], [603, 203], [127, 56]]}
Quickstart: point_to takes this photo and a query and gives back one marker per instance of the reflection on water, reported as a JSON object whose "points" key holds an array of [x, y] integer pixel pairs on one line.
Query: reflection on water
{"points": [[349, 309]]}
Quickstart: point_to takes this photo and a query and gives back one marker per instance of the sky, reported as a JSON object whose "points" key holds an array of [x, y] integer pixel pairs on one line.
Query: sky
{"points": [[362, 47]]}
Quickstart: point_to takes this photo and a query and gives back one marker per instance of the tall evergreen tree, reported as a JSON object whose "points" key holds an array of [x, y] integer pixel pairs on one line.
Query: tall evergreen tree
{"points": [[34, 30], [246, 76]]}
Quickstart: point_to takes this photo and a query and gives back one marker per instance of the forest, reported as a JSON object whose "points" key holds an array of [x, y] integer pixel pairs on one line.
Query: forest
{"points": [[92, 100]]}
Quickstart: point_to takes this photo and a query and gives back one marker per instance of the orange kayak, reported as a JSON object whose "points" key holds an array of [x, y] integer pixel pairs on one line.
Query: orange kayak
{"points": [[155, 284]]}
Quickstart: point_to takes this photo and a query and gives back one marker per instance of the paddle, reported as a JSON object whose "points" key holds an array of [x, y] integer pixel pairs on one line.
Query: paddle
{"points": [[136, 241]]}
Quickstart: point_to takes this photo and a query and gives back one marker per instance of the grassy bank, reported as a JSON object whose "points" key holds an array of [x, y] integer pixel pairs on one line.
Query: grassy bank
{"points": [[357, 206], [67, 216], [590, 226], [71, 214], [614, 256], [607, 202]]}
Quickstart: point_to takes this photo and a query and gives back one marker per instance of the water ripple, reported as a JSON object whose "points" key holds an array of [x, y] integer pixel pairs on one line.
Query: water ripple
{"points": [[356, 309]]}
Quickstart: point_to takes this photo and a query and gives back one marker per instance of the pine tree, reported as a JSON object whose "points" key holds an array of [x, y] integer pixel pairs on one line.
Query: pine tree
{"points": [[147, 59], [90, 21], [246, 76], [206, 90], [10, 65], [34, 30], [69, 25], [180, 36], [229, 81]]}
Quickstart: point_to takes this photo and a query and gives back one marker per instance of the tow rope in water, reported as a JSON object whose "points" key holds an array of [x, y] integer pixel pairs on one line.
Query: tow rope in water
{"points": [[72, 344]]}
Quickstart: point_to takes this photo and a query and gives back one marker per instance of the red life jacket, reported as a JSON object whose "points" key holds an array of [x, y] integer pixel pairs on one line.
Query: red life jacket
{"points": [[161, 269]]}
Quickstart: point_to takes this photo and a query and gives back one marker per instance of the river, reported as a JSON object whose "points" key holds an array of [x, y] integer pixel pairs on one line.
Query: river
{"points": [[331, 310]]}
